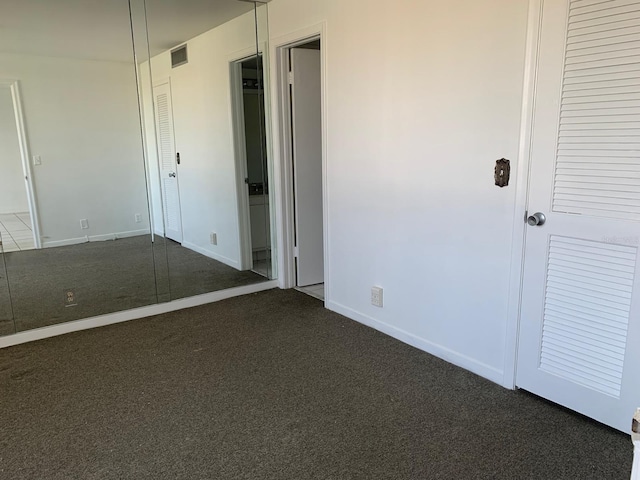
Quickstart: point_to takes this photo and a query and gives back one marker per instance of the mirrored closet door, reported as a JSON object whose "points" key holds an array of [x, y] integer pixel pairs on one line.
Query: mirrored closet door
{"points": [[139, 161], [205, 132]]}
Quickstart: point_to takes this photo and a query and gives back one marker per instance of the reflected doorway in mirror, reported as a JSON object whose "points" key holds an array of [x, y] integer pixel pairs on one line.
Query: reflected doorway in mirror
{"points": [[18, 215], [248, 99]]}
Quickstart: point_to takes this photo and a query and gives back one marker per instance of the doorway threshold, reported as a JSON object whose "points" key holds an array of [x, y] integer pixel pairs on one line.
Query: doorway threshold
{"points": [[316, 291]]}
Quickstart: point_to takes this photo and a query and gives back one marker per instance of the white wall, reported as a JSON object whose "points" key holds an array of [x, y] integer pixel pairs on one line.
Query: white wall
{"points": [[201, 95], [13, 195], [82, 119], [421, 99]]}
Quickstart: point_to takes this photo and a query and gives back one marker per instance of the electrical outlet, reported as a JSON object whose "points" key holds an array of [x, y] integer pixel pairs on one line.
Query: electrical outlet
{"points": [[70, 298], [213, 238], [138, 218], [37, 160], [376, 296], [84, 224]]}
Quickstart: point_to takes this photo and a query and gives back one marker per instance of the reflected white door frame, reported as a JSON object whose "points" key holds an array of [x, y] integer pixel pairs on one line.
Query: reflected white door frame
{"points": [[244, 219], [14, 87], [240, 150]]}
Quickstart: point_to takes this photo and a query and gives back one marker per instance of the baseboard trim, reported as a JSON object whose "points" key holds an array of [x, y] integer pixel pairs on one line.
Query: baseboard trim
{"points": [[451, 356], [95, 238], [208, 253], [127, 315]]}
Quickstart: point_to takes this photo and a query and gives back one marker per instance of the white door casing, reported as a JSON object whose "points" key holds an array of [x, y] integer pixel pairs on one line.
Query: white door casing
{"points": [[580, 311], [14, 87], [167, 162], [306, 103]]}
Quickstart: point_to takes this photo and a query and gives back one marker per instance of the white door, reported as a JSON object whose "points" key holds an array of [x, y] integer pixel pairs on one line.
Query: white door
{"points": [[580, 313], [168, 162], [307, 164]]}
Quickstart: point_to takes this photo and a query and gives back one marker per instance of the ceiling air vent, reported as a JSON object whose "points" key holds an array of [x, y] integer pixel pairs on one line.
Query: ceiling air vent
{"points": [[179, 56]]}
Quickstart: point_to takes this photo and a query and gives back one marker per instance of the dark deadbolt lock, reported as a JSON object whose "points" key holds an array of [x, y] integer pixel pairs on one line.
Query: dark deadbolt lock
{"points": [[502, 172], [178, 158]]}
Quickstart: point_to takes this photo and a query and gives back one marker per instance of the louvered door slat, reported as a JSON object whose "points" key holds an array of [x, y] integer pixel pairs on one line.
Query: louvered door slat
{"points": [[600, 5], [576, 311], [600, 107]]}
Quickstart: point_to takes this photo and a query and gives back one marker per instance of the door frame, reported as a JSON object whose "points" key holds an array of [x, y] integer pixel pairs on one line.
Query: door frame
{"points": [[240, 149], [14, 87], [283, 151], [521, 197]]}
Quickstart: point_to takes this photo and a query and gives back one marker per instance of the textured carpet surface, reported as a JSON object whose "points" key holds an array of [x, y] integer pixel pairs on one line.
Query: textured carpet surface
{"points": [[106, 277], [273, 386]]}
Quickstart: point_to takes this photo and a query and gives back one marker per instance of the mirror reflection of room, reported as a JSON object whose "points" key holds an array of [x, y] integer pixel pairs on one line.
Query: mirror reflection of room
{"points": [[209, 186], [79, 176], [16, 230], [98, 213]]}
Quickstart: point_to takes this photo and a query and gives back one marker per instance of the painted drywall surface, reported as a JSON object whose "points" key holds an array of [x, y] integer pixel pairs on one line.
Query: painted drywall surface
{"points": [[421, 99], [82, 119], [13, 196], [201, 96]]}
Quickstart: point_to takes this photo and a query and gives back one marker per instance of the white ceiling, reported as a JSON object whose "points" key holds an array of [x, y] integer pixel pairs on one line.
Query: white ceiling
{"points": [[100, 29]]}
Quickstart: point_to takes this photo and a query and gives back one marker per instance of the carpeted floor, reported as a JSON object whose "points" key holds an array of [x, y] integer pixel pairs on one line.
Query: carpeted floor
{"points": [[106, 277], [273, 386]]}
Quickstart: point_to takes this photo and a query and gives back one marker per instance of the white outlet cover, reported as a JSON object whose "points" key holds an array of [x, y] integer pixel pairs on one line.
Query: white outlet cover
{"points": [[376, 296]]}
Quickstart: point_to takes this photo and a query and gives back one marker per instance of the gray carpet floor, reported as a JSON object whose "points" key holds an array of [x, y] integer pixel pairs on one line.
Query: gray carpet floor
{"points": [[273, 386], [106, 277]]}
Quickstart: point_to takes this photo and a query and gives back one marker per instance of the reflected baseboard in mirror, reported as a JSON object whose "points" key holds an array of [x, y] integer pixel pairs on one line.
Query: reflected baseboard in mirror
{"points": [[191, 273], [61, 284]]}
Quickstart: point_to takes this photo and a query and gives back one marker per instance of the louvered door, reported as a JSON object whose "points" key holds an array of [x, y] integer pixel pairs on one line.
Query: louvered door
{"points": [[580, 314], [167, 162]]}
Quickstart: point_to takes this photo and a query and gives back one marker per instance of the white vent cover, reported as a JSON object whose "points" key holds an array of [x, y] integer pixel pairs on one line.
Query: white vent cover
{"points": [[179, 56]]}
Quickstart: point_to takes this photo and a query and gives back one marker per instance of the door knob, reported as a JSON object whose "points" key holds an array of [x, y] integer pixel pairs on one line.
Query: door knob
{"points": [[172, 175], [537, 219]]}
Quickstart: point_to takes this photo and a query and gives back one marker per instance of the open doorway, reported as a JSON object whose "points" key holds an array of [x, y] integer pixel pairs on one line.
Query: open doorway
{"points": [[18, 218], [303, 142], [248, 94]]}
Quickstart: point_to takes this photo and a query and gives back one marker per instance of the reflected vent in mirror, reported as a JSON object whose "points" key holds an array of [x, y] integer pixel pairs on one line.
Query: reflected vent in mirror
{"points": [[179, 56]]}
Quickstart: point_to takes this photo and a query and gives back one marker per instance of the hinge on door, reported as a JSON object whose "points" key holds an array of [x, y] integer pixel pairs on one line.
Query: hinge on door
{"points": [[290, 78], [295, 251]]}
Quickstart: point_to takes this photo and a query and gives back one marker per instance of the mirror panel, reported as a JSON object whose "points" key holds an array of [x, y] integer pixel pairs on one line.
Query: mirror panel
{"points": [[85, 198], [205, 135], [147, 173], [6, 315]]}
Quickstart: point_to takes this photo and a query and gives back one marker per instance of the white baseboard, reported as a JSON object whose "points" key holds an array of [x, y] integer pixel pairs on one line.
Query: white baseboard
{"points": [[456, 358], [95, 238], [212, 255], [126, 315]]}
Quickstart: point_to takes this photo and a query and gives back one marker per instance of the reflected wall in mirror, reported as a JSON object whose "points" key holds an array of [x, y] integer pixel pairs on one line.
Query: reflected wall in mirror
{"points": [[130, 180], [204, 116], [76, 233]]}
